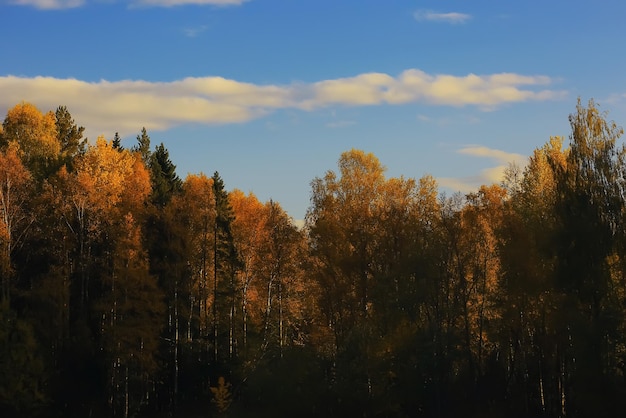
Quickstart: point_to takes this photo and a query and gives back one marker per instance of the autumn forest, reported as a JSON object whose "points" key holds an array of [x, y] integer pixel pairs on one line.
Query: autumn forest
{"points": [[127, 291]]}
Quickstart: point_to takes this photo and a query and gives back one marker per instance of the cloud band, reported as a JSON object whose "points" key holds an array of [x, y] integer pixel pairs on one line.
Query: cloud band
{"points": [[124, 105]]}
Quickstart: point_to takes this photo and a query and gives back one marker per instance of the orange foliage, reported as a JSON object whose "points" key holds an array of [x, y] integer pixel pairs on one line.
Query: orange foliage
{"points": [[137, 186], [14, 182], [102, 174]]}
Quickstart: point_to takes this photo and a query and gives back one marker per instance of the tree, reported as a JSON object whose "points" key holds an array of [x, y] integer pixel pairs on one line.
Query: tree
{"points": [[249, 237], [69, 135], [91, 193], [131, 313], [165, 181], [282, 254], [363, 228], [589, 208], [117, 142], [171, 247], [21, 366], [35, 135], [479, 283], [143, 146], [222, 397], [15, 218], [226, 263], [528, 300], [342, 226]]}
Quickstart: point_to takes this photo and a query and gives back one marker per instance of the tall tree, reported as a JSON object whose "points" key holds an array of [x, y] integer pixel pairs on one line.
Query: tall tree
{"points": [[69, 135], [165, 181], [35, 134], [131, 312], [590, 206], [117, 142], [226, 264], [143, 146], [15, 218], [361, 233]]}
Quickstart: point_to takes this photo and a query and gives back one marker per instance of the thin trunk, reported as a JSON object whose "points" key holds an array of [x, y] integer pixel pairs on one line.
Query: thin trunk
{"points": [[190, 317], [126, 400], [203, 305], [215, 268], [231, 329], [176, 338], [268, 309], [280, 318], [231, 316], [5, 198], [541, 386], [244, 314]]}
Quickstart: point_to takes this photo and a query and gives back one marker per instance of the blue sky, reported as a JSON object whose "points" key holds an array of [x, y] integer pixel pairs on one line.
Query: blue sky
{"points": [[270, 92]]}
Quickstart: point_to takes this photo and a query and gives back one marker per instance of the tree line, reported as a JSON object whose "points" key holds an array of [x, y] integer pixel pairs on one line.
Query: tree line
{"points": [[128, 291]]}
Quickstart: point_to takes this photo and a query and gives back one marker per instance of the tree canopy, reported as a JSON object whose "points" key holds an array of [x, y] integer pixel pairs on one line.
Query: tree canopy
{"points": [[128, 291]]}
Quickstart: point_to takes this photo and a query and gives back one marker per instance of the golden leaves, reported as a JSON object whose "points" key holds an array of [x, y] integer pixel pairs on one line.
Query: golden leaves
{"points": [[32, 131], [102, 172]]}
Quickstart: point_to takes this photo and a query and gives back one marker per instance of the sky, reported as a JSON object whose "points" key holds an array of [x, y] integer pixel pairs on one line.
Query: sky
{"points": [[269, 93]]}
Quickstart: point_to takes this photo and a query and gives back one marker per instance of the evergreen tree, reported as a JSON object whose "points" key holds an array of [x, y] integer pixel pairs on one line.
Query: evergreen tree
{"points": [[226, 264], [165, 181], [143, 146], [117, 142], [69, 135]]}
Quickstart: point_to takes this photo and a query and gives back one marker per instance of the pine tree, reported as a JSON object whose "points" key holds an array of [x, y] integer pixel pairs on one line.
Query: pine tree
{"points": [[69, 135], [143, 146], [226, 263], [117, 142], [165, 181]]}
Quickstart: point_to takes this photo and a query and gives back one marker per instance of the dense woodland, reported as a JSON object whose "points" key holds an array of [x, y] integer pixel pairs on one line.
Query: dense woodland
{"points": [[127, 291]]}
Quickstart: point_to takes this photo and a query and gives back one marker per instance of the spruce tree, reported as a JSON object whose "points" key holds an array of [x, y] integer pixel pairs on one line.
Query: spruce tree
{"points": [[69, 134], [117, 142], [143, 146], [226, 264], [165, 181]]}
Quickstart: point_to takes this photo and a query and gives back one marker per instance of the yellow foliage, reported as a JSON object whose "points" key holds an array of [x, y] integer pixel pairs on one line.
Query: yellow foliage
{"points": [[34, 132], [137, 187], [14, 192], [103, 173], [222, 396]]}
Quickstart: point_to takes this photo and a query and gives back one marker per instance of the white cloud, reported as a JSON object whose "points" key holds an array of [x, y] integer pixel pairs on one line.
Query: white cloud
{"points": [[110, 106], [497, 155], [487, 176], [450, 17], [173, 3], [50, 4], [463, 185], [68, 4]]}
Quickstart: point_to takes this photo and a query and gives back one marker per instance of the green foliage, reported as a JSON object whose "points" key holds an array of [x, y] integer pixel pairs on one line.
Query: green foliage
{"points": [[165, 181], [117, 142], [69, 135], [143, 146]]}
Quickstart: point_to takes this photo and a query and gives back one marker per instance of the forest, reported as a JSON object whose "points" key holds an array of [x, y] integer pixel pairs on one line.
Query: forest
{"points": [[127, 291]]}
